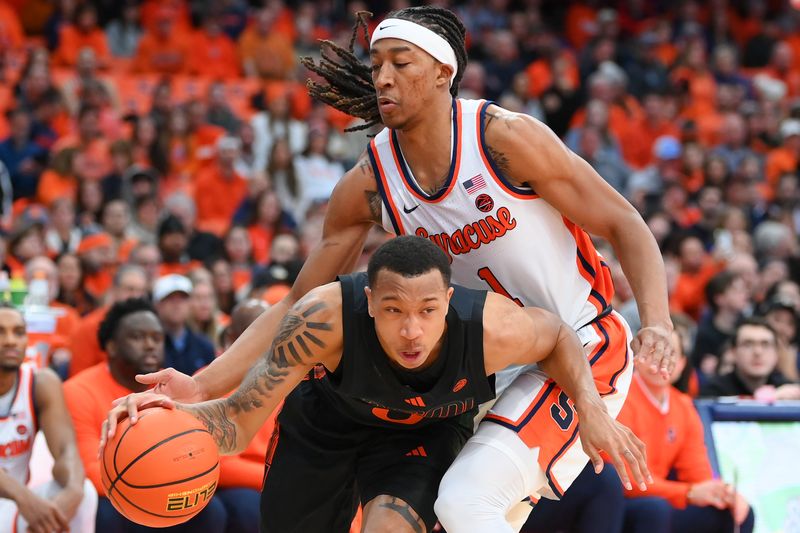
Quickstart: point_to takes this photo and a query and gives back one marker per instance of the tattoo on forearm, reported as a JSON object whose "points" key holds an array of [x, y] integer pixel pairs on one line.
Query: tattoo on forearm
{"points": [[375, 204], [409, 515], [294, 344], [216, 420]]}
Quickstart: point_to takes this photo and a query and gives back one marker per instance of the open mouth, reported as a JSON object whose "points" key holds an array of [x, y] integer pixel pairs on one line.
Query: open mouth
{"points": [[411, 357]]}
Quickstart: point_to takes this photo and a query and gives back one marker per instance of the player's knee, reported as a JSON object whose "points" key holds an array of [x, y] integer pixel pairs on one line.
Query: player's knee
{"points": [[459, 501]]}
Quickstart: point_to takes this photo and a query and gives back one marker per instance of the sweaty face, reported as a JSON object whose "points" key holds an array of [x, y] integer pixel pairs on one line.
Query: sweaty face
{"points": [[406, 79], [13, 339], [410, 316], [139, 342]]}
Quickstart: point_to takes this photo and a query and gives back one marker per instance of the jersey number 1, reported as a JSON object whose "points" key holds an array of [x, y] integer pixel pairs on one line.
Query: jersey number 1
{"points": [[488, 276]]}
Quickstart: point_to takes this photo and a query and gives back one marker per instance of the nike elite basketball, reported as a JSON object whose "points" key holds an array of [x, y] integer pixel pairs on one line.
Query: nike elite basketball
{"points": [[162, 470]]}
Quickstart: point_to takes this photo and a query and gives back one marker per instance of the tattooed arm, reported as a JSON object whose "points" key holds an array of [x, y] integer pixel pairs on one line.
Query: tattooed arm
{"points": [[354, 207], [310, 333]]}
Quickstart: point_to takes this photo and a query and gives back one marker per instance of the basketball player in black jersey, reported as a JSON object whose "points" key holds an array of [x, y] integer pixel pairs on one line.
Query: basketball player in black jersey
{"points": [[388, 369]]}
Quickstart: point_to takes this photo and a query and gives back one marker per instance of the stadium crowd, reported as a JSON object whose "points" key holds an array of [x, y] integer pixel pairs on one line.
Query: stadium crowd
{"points": [[168, 150]]}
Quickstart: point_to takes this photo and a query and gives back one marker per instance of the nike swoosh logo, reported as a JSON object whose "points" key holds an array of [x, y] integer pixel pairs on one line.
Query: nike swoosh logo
{"points": [[407, 210], [384, 27]]}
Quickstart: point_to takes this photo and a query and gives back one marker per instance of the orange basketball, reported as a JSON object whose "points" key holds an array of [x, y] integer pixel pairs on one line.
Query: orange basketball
{"points": [[162, 470]]}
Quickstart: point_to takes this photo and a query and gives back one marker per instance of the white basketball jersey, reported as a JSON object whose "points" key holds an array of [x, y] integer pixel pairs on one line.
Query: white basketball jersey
{"points": [[18, 428], [497, 236]]}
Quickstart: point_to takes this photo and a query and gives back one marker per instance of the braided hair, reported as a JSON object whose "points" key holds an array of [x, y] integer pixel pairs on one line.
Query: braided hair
{"points": [[348, 82]]}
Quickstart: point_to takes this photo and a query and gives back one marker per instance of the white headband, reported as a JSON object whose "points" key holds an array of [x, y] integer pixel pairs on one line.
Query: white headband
{"points": [[418, 35]]}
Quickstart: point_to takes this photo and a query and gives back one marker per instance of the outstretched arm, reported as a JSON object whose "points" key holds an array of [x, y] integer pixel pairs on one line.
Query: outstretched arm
{"points": [[520, 336], [528, 152], [354, 207]]}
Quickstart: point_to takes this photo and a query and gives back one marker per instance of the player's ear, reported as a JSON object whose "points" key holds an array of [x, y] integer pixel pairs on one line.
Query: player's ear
{"points": [[445, 71], [111, 348], [368, 292], [450, 291]]}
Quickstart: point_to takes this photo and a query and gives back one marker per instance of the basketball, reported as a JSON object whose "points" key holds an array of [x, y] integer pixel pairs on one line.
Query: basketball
{"points": [[162, 470]]}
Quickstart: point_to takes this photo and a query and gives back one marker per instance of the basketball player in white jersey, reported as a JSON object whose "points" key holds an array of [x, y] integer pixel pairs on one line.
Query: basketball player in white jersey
{"points": [[509, 203], [30, 400]]}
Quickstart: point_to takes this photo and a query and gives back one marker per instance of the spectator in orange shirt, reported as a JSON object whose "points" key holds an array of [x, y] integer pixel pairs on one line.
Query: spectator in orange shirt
{"points": [[116, 219], [697, 268], [213, 53], [637, 146], [134, 338], [264, 52], [666, 421], [239, 252], [129, 281], [97, 257], [58, 182], [83, 34], [219, 189], [11, 33], [163, 50], [786, 158], [173, 240], [93, 160]]}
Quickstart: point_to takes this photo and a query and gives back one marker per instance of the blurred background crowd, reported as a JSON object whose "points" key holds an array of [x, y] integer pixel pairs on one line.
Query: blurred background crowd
{"points": [[168, 149]]}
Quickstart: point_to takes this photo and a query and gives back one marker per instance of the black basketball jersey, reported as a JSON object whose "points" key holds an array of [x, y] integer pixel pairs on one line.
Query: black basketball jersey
{"points": [[366, 387]]}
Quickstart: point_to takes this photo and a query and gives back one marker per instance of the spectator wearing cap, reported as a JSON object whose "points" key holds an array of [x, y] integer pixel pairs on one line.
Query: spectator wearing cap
{"points": [[728, 298], [219, 189], [129, 281], [667, 152], [785, 158], [96, 254], [23, 158], [755, 373], [172, 242], [780, 313], [184, 350]]}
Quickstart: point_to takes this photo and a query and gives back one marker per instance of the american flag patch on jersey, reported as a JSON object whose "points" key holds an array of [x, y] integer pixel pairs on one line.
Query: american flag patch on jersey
{"points": [[474, 184]]}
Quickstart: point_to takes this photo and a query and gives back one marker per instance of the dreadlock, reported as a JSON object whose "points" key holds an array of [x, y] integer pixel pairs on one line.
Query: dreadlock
{"points": [[348, 82]]}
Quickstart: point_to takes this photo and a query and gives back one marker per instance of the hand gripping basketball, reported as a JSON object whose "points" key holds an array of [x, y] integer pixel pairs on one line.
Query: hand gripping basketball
{"points": [[161, 471], [129, 407]]}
